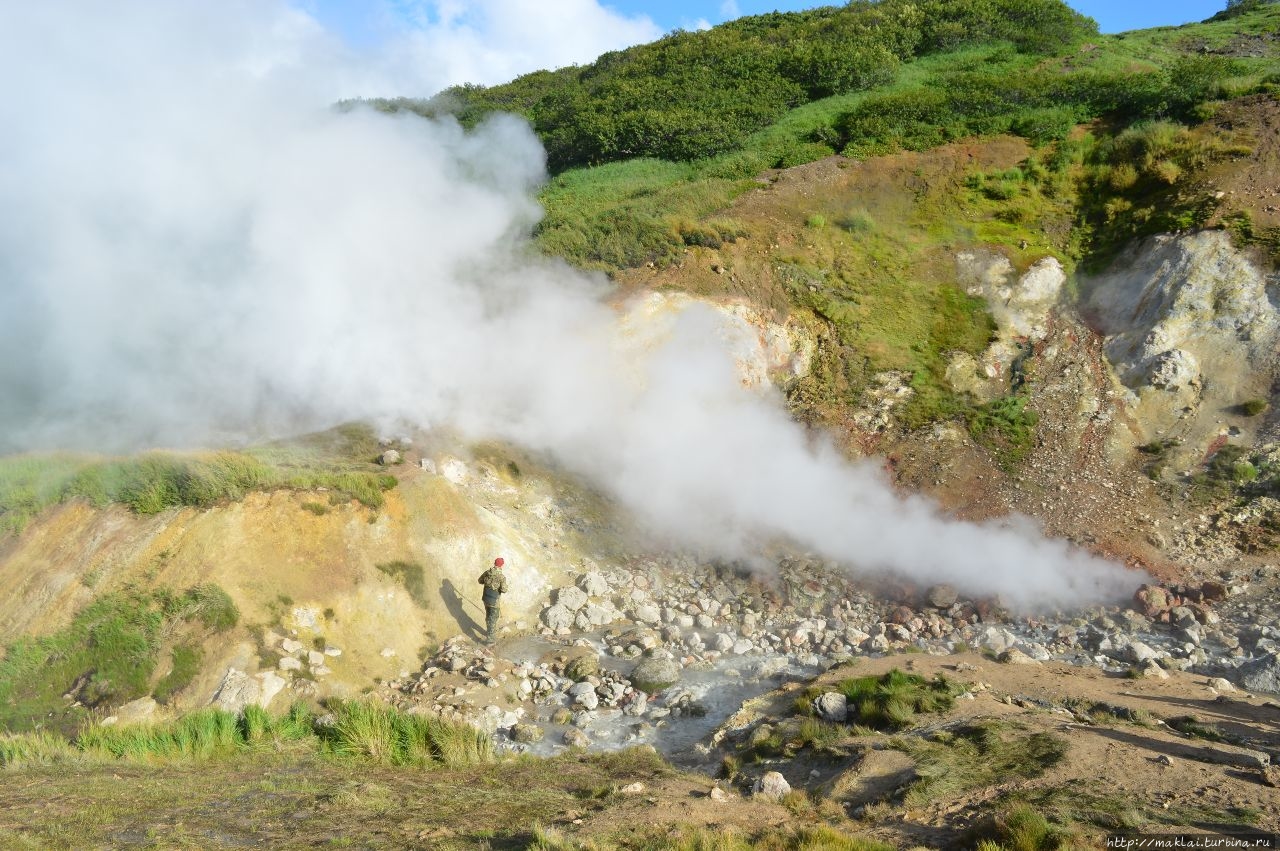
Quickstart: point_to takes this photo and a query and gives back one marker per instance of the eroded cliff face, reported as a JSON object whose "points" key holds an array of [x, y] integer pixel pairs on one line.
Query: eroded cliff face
{"points": [[325, 575], [1190, 327]]}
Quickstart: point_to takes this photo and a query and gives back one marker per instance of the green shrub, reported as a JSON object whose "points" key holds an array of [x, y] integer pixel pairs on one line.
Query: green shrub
{"points": [[1005, 425], [1254, 407]]}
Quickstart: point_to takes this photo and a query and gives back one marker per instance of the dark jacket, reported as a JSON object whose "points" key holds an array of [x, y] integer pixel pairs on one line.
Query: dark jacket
{"points": [[495, 585]]}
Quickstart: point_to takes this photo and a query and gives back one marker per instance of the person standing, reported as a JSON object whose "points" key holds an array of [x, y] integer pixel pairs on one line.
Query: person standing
{"points": [[495, 585]]}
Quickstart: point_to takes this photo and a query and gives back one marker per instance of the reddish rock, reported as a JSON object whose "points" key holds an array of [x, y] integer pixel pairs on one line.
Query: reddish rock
{"points": [[1213, 591]]}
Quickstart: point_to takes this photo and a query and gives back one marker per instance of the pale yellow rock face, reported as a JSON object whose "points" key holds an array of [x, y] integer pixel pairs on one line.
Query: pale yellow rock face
{"points": [[1191, 334]]}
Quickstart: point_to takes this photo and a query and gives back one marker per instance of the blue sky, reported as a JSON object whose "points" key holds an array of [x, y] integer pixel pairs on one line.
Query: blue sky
{"points": [[1111, 15]]}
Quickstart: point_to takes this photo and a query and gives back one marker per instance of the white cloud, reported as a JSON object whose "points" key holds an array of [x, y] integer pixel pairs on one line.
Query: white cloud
{"points": [[432, 44], [195, 246], [729, 10]]}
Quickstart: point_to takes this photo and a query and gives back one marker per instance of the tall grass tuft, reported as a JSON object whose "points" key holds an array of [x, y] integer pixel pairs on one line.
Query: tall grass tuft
{"points": [[891, 701], [381, 734]]}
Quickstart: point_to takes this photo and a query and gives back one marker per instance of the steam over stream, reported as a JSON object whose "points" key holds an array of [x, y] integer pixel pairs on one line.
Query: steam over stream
{"points": [[196, 248]]}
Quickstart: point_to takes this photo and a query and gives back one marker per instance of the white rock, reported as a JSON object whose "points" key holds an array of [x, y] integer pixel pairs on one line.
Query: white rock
{"points": [[593, 584], [584, 695], [454, 470], [648, 613], [557, 617], [997, 640], [134, 712], [571, 598], [771, 785], [289, 663], [832, 706], [1140, 653]]}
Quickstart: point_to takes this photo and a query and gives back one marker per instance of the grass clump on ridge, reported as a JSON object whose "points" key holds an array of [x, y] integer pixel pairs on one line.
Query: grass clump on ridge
{"points": [[340, 461], [107, 655]]}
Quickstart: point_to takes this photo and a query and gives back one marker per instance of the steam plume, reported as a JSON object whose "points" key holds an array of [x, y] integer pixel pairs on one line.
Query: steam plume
{"points": [[195, 248]]}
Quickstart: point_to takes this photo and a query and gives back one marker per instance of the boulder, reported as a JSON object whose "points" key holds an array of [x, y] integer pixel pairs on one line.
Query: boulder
{"points": [[1140, 653], [557, 617], [996, 640], [575, 738], [584, 695], [600, 614], [653, 675], [134, 712], [581, 667], [1213, 591], [526, 733], [648, 613], [942, 596], [832, 706], [238, 689], [571, 598], [1261, 674], [594, 585], [391, 456], [1014, 656], [771, 785]]}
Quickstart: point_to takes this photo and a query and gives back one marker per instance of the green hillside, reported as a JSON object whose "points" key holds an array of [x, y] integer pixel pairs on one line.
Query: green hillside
{"points": [[647, 141]]}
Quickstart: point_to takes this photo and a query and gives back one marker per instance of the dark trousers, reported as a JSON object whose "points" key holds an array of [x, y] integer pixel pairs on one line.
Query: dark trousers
{"points": [[491, 612]]}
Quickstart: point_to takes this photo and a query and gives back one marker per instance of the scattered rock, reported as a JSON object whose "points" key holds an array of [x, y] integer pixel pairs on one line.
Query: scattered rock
{"points": [[1014, 656], [575, 738]]}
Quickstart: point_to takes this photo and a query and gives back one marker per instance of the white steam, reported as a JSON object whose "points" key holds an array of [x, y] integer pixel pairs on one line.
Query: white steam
{"points": [[195, 247]]}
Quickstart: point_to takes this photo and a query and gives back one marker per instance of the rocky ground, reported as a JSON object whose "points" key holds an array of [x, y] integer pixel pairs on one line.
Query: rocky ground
{"points": [[666, 651]]}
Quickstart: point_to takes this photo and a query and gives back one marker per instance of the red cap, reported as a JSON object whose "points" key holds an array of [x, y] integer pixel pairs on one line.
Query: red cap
{"points": [[497, 562]]}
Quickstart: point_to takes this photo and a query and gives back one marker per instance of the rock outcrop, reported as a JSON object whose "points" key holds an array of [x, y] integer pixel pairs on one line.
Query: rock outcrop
{"points": [[1191, 333]]}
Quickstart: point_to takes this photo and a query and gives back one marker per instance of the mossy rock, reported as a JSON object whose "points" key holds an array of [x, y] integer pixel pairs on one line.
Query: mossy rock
{"points": [[653, 675], [582, 667]]}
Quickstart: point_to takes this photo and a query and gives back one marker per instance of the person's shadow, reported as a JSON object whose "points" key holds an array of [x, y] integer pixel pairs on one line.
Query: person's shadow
{"points": [[455, 603]]}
